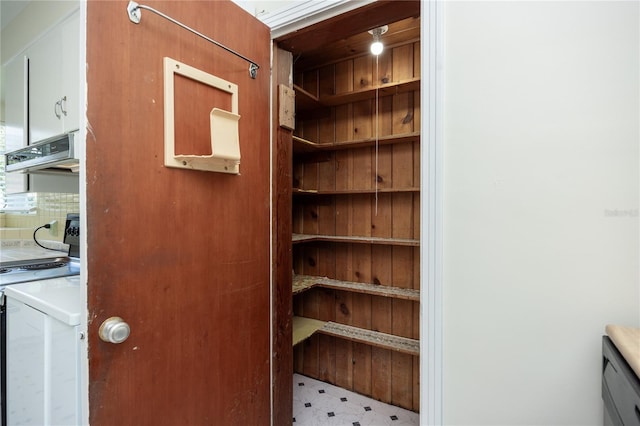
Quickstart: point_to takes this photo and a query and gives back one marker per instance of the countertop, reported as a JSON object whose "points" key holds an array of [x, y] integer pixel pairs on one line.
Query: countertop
{"points": [[627, 341], [57, 297]]}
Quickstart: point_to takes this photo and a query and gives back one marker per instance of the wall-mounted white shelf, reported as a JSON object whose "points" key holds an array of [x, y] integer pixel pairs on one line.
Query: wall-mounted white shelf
{"points": [[225, 140]]}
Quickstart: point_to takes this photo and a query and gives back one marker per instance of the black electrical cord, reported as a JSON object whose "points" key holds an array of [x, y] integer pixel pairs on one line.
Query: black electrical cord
{"points": [[47, 226]]}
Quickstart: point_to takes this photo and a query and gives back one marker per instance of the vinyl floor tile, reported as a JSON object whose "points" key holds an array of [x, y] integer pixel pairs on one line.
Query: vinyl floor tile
{"points": [[316, 403]]}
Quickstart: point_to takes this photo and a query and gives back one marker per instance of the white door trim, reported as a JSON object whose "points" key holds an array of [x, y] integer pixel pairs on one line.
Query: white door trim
{"points": [[431, 181], [306, 13], [310, 12]]}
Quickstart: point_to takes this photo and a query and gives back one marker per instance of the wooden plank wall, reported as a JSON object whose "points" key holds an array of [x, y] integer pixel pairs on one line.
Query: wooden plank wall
{"points": [[282, 361], [380, 373]]}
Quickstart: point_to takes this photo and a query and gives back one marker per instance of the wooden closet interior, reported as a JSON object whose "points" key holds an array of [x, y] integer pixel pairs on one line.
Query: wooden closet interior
{"points": [[355, 202]]}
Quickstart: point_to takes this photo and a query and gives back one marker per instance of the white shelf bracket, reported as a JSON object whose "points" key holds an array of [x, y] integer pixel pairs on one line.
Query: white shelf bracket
{"points": [[225, 141]]}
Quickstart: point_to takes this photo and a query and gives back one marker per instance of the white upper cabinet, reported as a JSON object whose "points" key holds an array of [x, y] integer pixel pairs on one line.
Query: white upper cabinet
{"points": [[71, 68], [14, 87], [54, 81]]}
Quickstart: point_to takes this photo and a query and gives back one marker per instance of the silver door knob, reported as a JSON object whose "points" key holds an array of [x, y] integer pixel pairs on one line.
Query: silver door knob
{"points": [[114, 330]]}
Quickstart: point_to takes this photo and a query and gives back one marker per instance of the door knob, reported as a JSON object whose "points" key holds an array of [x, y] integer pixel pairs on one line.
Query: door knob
{"points": [[114, 330]]}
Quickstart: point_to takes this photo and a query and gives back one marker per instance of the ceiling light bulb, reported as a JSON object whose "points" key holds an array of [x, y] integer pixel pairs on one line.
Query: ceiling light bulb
{"points": [[376, 47]]}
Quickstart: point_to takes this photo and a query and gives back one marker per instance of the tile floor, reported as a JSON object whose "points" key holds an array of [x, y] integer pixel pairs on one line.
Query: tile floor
{"points": [[316, 403]]}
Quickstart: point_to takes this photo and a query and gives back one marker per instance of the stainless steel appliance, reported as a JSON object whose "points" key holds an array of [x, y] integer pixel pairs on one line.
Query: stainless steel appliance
{"points": [[37, 269], [20, 271], [620, 388], [14, 272], [53, 155]]}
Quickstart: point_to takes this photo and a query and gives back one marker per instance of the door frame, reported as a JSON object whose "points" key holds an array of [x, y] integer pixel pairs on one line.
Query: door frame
{"points": [[310, 12]]}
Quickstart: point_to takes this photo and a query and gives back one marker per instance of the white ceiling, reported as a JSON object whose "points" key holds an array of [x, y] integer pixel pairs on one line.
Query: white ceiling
{"points": [[265, 7]]}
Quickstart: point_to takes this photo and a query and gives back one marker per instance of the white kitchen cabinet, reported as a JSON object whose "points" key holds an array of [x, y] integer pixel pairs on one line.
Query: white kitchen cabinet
{"points": [[42, 359], [54, 81], [71, 72], [14, 89]]}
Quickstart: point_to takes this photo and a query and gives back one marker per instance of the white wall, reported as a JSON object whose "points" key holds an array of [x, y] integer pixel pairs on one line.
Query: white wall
{"points": [[541, 197]]}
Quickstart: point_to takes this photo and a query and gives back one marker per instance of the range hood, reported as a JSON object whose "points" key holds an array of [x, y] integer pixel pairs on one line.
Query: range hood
{"points": [[52, 155]]}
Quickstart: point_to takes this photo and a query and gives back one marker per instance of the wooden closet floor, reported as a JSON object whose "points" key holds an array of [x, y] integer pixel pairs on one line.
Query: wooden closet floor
{"points": [[317, 403]]}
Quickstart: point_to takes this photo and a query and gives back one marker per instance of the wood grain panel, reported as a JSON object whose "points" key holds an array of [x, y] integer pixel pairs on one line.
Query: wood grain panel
{"points": [[381, 217], [416, 59], [130, 190], [193, 102], [311, 307], [362, 72], [344, 348], [376, 372], [362, 120], [383, 177], [334, 38], [381, 318], [310, 82], [416, 383], [383, 67], [402, 380], [403, 62], [298, 350], [385, 116], [343, 77], [326, 80], [403, 114], [282, 224]]}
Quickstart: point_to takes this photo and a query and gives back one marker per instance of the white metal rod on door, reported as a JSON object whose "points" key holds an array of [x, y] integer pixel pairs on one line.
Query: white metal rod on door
{"points": [[133, 10]]}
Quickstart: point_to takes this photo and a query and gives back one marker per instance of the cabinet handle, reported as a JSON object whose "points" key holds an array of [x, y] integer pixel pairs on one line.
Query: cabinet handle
{"points": [[63, 105], [637, 411], [55, 109]]}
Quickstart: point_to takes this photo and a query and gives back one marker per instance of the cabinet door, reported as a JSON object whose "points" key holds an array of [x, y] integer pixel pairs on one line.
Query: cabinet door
{"points": [[42, 368], [14, 91], [64, 360], [25, 364], [45, 86], [71, 73]]}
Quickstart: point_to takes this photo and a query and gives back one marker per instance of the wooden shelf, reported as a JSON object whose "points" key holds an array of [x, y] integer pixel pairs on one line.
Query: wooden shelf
{"points": [[302, 283], [304, 328], [303, 238], [305, 100], [388, 89], [298, 191], [373, 338], [304, 145]]}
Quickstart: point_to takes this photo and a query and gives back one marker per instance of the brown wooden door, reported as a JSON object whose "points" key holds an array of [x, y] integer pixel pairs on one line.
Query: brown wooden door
{"points": [[181, 255]]}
